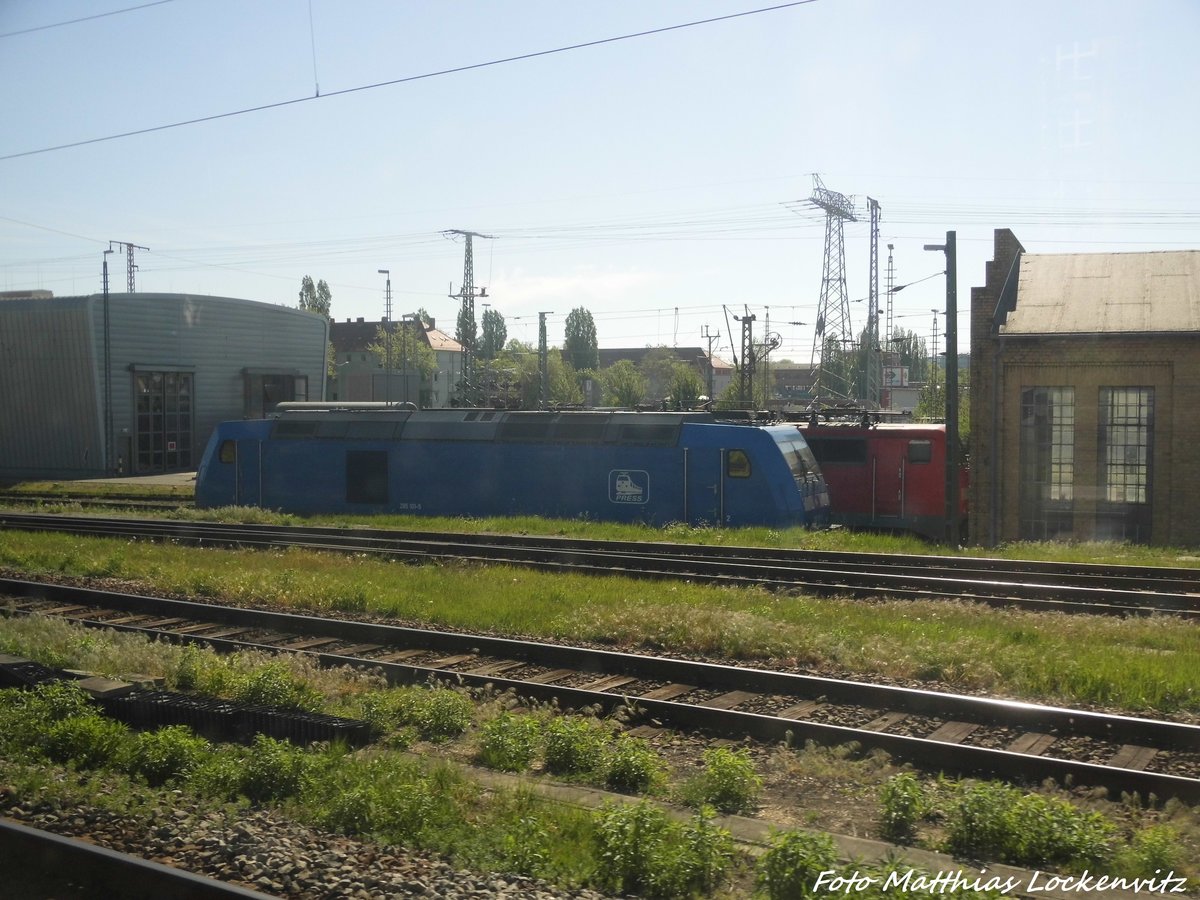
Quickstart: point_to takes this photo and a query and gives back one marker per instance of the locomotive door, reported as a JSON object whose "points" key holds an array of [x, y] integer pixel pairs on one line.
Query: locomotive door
{"points": [[702, 493], [248, 469], [887, 476]]}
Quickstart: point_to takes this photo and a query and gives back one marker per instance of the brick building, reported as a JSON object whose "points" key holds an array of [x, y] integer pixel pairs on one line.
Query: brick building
{"points": [[1085, 383]]}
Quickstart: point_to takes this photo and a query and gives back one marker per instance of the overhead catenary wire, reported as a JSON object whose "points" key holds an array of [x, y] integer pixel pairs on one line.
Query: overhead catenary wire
{"points": [[408, 79]]}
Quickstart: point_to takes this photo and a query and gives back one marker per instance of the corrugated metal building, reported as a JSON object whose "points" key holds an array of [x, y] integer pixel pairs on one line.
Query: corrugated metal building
{"points": [[1085, 386], [177, 365]]}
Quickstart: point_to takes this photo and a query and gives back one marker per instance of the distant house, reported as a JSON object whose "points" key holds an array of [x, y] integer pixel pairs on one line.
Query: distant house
{"points": [[363, 375], [135, 383], [1085, 384]]}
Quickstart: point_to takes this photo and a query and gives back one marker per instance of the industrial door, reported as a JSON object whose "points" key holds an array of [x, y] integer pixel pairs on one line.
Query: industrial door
{"points": [[164, 421]]}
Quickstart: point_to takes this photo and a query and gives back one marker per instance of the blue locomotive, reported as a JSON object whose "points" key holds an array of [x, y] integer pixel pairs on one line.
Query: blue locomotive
{"points": [[619, 466]]}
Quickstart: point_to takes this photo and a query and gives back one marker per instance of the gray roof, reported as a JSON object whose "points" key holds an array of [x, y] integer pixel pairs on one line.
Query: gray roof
{"points": [[1114, 293]]}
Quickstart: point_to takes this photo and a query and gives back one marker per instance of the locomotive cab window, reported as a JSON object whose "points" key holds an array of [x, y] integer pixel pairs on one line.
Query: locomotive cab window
{"points": [[737, 464], [228, 451], [920, 451]]}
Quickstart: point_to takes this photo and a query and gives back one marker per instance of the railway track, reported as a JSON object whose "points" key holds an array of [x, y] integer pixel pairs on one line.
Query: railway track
{"points": [[108, 501], [934, 731], [1063, 587]]}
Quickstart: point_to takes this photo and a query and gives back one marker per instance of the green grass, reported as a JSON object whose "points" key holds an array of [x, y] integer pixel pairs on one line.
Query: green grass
{"points": [[1143, 665]]}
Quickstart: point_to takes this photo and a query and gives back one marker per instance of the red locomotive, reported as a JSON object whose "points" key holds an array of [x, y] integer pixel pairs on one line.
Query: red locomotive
{"points": [[886, 476]]}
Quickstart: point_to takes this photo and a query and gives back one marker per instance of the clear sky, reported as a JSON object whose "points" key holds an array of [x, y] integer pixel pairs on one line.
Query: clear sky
{"points": [[658, 181]]}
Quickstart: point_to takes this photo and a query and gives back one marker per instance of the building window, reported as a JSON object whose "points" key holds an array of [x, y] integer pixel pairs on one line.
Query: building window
{"points": [[264, 390], [1047, 463], [1125, 469]]}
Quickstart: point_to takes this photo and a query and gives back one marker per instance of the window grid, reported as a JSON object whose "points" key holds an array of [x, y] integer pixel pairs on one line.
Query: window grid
{"points": [[1126, 418], [1047, 462]]}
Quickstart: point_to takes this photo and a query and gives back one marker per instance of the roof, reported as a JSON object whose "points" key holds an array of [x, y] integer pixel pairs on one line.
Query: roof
{"points": [[439, 340], [1098, 293]]}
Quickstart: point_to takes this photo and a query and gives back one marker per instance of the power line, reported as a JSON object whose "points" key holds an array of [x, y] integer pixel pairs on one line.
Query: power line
{"points": [[115, 12], [407, 79]]}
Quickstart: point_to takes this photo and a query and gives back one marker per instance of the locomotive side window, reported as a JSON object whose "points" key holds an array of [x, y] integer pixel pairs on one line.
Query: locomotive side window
{"points": [[366, 476], [228, 451], [843, 451], [920, 451], [737, 464]]}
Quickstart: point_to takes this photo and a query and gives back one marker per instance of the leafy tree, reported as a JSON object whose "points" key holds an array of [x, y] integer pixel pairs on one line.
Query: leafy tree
{"points": [[519, 361], [913, 353], [408, 350], [685, 385], [580, 347], [494, 334], [658, 368], [623, 384], [315, 298], [466, 330]]}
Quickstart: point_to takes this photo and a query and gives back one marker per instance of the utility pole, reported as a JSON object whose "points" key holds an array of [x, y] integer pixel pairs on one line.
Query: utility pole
{"points": [[871, 357], [130, 268], [543, 362], [108, 413], [466, 315], [387, 338], [711, 369], [950, 248], [746, 372]]}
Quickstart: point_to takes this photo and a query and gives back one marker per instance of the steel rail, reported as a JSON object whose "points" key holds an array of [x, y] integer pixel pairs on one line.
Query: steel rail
{"points": [[863, 575], [945, 754]]}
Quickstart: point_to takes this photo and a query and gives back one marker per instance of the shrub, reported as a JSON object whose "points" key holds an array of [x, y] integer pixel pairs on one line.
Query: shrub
{"points": [[632, 766], [509, 742], [436, 713], [1152, 850], [171, 752], [792, 863], [273, 770], [274, 685], [642, 851], [573, 745], [89, 741], [997, 820], [902, 804], [728, 781]]}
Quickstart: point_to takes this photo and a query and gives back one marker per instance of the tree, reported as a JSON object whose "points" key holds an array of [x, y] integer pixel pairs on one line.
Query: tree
{"points": [[466, 329], [315, 298], [657, 367], [580, 347], [623, 384], [913, 353], [519, 361], [409, 352], [495, 333], [686, 385]]}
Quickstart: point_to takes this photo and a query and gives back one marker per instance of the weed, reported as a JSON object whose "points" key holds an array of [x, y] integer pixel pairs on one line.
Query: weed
{"points": [[509, 742], [792, 863], [274, 685], [728, 782], [1152, 850], [902, 804], [632, 766], [573, 745], [168, 753], [992, 820], [642, 850]]}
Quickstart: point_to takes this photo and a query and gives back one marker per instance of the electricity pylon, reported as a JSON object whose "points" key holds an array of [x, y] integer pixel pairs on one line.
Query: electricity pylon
{"points": [[465, 333], [834, 331]]}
